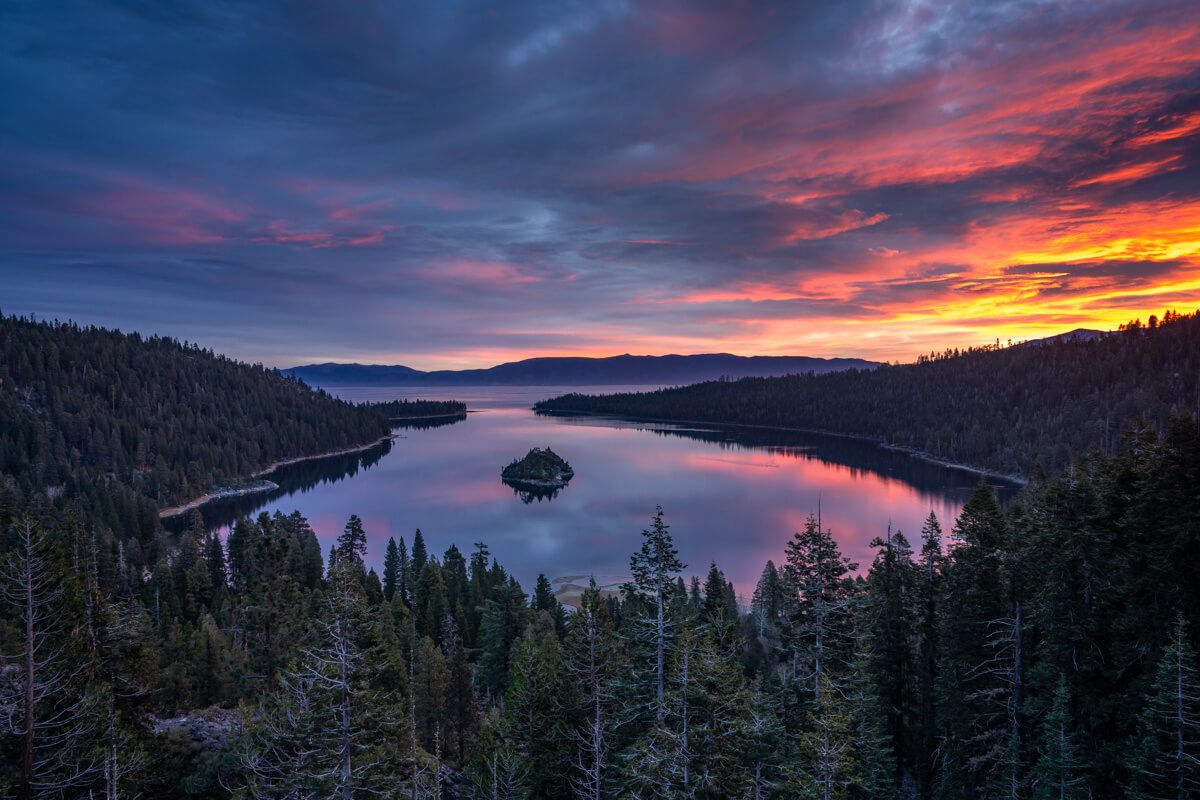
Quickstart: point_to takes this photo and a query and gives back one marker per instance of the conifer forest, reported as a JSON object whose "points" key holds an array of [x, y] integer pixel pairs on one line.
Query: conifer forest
{"points": [[1040, 649]]}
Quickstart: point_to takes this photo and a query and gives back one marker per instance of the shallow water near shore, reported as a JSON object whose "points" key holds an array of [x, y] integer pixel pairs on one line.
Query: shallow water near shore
{"points": [[730, 495]]}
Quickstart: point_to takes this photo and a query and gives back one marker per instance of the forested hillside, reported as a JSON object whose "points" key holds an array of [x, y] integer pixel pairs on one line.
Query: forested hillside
{"points": [[88, 406], [119, 425], [1044, 651], [417, 409], [1005, 409]]}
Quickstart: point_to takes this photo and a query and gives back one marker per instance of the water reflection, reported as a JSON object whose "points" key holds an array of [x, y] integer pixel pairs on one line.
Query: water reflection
{"points": [[731, 495], [529, 492], [860, 455]]}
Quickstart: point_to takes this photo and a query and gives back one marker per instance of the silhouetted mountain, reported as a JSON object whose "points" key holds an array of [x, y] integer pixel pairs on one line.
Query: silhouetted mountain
{"points": [[1077, 335], [624, 369]]}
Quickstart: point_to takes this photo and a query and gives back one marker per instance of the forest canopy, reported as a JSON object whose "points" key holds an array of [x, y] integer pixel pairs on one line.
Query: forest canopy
{"points": [[1006, 409]]}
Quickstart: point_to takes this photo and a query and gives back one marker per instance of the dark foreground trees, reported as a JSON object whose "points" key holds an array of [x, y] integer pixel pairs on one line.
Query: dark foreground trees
{"points": [[1044, 650]]}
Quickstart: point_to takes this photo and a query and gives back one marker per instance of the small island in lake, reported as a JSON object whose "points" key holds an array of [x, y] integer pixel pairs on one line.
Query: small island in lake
{"points": [[540, 474]]}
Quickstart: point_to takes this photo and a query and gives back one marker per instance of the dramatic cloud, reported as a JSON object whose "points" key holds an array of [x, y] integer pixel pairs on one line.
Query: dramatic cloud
{"points": [[451, 185]]}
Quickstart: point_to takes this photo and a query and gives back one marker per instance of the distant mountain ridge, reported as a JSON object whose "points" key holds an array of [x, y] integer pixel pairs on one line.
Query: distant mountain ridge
{"points": [[581, 371], [1077, 335]]}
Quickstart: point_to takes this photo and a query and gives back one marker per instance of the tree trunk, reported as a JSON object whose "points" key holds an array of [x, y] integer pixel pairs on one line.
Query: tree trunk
{"points": [[659, 664], [27, 754]]}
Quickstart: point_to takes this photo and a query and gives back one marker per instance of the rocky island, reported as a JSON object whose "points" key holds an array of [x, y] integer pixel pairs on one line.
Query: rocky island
{"points": [[540, 474]]}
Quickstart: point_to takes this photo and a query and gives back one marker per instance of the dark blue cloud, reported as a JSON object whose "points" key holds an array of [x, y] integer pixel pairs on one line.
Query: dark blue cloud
{"points": [[445, 182]]}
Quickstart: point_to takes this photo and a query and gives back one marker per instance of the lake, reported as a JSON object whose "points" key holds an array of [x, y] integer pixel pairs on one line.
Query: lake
{"points": [[730, 495]]}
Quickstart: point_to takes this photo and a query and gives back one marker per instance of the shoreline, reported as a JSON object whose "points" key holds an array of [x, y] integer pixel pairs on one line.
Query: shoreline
{"points": [[264, 486], [983, 472]]}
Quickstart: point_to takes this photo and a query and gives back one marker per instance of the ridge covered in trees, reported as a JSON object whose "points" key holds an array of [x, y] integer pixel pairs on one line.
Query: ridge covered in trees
{"points": [[1003, 409], [85, 405], [1043, 650], [121, 425], [416, 409]]}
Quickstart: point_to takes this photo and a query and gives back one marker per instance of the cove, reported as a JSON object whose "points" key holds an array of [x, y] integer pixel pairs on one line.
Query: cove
{"points": [[734, 496]]}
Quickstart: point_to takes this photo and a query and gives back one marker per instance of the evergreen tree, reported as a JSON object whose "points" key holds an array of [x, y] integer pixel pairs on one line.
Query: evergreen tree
{"points": [[432, 606], [827, 763], [352, 544], [888, 657], [419, 555], [1060, 771], [978, 642], [462, 705], [55, 718], [819, 629], [504, 619], [391, 569], [763, 742], [928, 582], [432, 679], [592, 664], [652, 568], [326, 733], [545, 601], [533, 726], [1165, 756]]}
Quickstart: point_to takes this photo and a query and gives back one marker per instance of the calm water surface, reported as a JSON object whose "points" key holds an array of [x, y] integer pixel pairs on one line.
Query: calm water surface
{"points": [[733, 495]]}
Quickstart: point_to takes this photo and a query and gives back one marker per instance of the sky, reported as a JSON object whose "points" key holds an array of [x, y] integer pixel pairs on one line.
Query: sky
{"points": [[455, 184]]}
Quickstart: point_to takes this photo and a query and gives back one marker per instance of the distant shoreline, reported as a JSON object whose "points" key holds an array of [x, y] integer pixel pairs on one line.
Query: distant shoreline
{"points": [[450, 415], [267, 486], [1019, 480]]}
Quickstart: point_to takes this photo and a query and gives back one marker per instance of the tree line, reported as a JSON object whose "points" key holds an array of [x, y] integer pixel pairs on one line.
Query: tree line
{"points": [[1013, 410], [415, 409], [1040, 650], [119, 425]]}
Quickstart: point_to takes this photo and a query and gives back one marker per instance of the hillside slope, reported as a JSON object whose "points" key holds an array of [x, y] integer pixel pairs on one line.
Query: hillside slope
{"points": [[157, 420], [1003, 409]]}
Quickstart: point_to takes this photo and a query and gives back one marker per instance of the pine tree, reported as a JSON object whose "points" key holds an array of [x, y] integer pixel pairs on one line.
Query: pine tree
{"points": [[462, 705], [979, 640], [887, 657], [405, 580], [762, 742], [419, 555], [431, 681], [876, 765], [719, 609], [1165, 757], [391, 569], [818, 631], [504, 619], [432, 606], [533, 725], [928, 582], [592, 665], [545, 601], [352, 544], [826, 747], [326, 733], [652, 568], [54, 716], [1060, 771]]}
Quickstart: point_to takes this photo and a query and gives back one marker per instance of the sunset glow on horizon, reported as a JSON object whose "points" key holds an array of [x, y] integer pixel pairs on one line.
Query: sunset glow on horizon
{"points": [[451, 189]]}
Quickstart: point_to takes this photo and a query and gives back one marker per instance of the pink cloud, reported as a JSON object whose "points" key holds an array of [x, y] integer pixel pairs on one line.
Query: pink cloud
{"points": [[481, 272]]}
